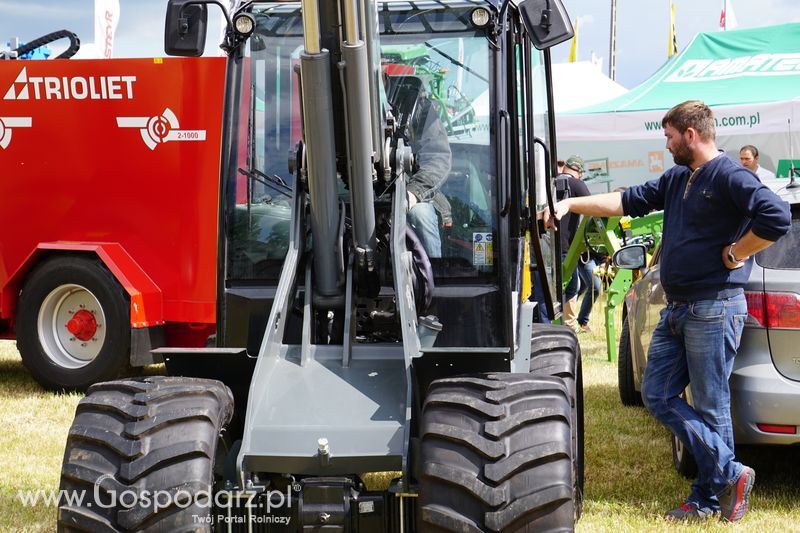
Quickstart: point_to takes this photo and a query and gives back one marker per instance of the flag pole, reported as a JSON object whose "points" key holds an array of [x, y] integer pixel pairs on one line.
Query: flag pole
{"points": [[612, 52]]}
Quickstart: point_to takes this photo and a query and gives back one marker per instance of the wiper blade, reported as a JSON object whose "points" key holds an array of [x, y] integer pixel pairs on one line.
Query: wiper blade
{"points": [[275, 183], [455, 61]]}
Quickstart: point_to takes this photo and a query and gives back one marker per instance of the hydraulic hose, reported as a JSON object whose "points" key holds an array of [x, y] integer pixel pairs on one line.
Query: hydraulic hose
{"points": [[74, 44]]}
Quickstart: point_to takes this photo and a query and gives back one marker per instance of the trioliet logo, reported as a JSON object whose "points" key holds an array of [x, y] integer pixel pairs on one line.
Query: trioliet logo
{"points": [[70, 87], [161, 129]]}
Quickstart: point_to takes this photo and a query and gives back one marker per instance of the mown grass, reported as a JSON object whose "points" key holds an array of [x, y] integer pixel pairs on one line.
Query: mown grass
{"points": [[630, 481], [35, 425]]}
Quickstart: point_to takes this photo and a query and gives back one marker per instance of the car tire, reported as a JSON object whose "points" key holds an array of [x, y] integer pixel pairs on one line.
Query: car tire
{"points": [[555, 351], [73, 324], [148, 437], [682, 458], [626, 384], [496, 455]]}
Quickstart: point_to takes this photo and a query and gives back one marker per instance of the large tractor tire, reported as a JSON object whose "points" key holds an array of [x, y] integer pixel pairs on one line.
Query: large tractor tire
{"points": [[555, 351], [73, 324], [154, 437], [496, 455], [627, 387]]}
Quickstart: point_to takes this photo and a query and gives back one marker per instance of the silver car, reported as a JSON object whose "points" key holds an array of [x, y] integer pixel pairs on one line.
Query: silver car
{"points": [[765, 383]]}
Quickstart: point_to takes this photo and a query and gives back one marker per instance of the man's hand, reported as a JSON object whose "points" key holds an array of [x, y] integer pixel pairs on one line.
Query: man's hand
{"points": [[549, 219], [412, 200], [730, 260]]}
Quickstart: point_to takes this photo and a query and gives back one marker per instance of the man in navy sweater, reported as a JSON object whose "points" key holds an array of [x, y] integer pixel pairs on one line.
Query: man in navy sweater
{"points": [[717, 215]]}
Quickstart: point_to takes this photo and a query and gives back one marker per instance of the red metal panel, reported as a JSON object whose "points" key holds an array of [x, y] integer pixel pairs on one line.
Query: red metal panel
{"points": [[120, 151], [146, 301]]}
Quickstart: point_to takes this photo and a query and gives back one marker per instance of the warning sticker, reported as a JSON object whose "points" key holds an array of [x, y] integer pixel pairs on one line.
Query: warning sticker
{"points": [[482, 249]]}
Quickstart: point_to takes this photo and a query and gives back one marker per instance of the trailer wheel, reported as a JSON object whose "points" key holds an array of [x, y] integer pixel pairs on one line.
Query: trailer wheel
{"points": [[496, 455], [73, 324], [555, 351], [142, 453], [627, 388]]}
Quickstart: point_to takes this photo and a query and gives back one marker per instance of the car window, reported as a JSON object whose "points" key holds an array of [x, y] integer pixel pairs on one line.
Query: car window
{"points": [[785, 253]]}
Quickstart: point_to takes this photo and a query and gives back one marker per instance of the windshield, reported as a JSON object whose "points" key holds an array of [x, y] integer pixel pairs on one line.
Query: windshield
{"points": [[436, 73]]}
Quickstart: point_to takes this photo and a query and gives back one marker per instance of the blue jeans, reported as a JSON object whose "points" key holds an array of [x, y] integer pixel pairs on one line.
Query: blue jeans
{"points": [[423, 220], [582, 279], [590, 288], [538, 295], [694, 344]]}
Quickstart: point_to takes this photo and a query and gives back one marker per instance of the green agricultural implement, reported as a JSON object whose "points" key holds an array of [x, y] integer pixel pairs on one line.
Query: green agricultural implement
{"points": [[607, 235]]}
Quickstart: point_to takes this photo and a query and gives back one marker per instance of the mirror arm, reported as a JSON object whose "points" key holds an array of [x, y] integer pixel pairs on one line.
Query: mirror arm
{"points": [[546, 13]]}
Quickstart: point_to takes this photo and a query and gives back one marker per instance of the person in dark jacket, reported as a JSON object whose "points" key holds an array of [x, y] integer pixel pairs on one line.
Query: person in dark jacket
{"points": [[574, 187], [717, 215], [432, 167], [418, 116]]}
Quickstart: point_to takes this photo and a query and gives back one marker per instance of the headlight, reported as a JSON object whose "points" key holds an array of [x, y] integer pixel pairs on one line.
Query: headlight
{"points": [[244, 24], [480, 17]]}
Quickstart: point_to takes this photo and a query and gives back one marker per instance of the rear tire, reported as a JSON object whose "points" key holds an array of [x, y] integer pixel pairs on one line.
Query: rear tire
{"points": [[555, 351], [156, 435], [496, 455], [58, 291], [627, 387]]}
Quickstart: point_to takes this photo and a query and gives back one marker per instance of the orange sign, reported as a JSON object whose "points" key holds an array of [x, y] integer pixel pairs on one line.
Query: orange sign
{"points": [[656, 161]]}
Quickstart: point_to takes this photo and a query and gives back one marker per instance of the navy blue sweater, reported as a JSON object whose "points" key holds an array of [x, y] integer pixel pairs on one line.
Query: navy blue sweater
{"points": [[722, 203]]}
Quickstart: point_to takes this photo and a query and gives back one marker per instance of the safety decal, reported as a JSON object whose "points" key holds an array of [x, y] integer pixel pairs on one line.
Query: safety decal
{"points": [[161, 129], [7, 125], [482, 249]]}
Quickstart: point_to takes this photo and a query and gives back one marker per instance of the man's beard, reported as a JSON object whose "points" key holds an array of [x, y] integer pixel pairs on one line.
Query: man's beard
{"points": [[682, 154]]}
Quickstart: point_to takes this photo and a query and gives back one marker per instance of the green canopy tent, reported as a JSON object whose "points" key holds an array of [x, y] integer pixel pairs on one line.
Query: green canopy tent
{"points": [[750, 78]]}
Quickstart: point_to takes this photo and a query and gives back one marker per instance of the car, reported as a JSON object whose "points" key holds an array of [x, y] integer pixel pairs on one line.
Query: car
{"points": [[765, 382]]}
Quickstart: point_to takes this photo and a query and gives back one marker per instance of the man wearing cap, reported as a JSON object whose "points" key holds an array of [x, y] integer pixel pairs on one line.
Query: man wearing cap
{"points": [[572, 187]]}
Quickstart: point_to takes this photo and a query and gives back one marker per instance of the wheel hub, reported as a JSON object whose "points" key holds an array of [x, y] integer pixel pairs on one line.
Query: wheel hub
{"points": [[82, 325], [71, 326]]}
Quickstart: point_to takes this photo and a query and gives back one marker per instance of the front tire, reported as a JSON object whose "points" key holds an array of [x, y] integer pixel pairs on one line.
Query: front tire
{"points": [[627, 387], [555, 351], [155, 436], [496, 455], [73, 324]]}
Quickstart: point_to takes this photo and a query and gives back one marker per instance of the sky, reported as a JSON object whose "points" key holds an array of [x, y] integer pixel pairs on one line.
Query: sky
{"points": [[642, 26]]}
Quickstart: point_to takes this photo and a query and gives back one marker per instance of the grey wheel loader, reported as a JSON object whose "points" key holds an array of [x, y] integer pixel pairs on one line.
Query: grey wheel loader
{"points": [[381, 360]]}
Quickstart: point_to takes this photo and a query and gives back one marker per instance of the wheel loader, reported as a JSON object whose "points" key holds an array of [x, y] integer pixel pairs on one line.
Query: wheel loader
{"points": [[382, 359]]}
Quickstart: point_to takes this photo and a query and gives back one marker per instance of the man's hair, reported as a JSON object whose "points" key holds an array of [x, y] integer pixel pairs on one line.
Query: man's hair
{"points": [[750, 148], [692, 114]]}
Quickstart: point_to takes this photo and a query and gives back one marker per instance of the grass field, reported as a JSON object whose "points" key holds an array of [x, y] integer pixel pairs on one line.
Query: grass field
{"points": [[630, 481]]}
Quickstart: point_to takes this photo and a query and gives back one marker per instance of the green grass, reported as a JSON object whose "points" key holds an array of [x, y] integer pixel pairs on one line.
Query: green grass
{"points": [[32, 443], [630, 481]]}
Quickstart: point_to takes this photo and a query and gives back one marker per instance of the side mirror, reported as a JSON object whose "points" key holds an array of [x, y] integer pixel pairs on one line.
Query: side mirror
{"points": [[631, 257], [546, 22], [185, 28]]}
